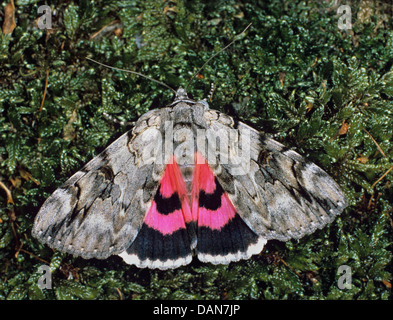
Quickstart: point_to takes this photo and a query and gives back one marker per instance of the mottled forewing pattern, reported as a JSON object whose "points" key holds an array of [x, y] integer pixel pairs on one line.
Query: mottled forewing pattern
{"points": [[282, 195], [99, 211]]}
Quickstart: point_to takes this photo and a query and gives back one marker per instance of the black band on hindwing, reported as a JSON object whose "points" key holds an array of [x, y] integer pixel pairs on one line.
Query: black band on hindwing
{"points": [[167, 205], [211, 201]]}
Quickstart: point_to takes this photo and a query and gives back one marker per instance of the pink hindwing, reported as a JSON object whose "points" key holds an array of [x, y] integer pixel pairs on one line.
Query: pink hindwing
{"points": [[166, 238], [222, 236]]}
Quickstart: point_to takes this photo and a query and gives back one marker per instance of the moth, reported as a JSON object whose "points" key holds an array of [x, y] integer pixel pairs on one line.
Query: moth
{"points": [[187, 181]]}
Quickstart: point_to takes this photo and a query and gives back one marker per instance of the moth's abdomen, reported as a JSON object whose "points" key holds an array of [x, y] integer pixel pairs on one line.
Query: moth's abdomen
{"points": [[187, 171]]}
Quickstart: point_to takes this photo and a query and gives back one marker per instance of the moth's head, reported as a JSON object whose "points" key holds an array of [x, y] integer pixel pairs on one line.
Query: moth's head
{"points": [[181, 94]]}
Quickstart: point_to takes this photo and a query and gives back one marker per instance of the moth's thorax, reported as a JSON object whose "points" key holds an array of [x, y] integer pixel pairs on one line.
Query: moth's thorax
{"points": [[187, 120], [177, 127], [186, 113]]}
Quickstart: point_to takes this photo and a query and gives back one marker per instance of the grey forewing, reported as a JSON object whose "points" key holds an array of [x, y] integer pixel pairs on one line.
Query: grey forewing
{"points": [[281, 195]]}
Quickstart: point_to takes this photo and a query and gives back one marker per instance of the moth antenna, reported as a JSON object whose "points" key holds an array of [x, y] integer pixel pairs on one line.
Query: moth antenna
{"points": [[134, 72], [216, 54]]}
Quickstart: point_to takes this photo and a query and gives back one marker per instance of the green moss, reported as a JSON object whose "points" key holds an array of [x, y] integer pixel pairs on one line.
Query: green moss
{"points": [[295, 75]]}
